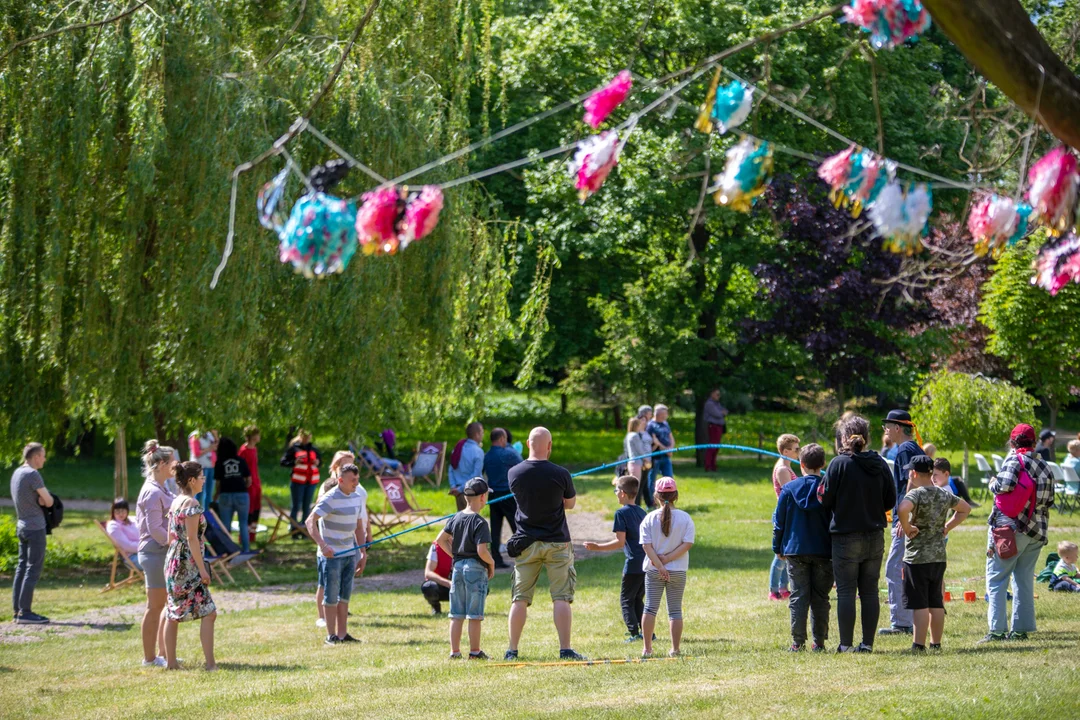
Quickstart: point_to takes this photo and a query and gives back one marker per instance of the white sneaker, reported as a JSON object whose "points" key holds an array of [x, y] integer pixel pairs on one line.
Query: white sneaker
{"points": [[156, 662], [320, 623]]}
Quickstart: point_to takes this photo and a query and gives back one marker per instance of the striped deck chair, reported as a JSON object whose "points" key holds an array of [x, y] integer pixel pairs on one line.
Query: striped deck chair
{"points": [[227, 553], [119, 556], [399, 505]]}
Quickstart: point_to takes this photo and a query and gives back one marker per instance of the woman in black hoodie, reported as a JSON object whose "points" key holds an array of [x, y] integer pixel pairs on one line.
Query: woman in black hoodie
{"points": [[857, 489]]}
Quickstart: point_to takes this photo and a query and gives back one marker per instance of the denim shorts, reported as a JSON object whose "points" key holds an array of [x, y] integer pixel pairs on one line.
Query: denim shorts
{"points": [[468, 589], [338, 575], [320, 567]]}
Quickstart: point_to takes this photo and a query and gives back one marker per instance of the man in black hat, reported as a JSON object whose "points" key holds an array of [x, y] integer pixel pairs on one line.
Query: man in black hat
{"points": [[1047, 438], [900, 430]]}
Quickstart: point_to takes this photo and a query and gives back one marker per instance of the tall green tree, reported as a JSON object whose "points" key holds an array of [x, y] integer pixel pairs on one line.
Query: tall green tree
{"points": [[1036, 334], [116, 144]]}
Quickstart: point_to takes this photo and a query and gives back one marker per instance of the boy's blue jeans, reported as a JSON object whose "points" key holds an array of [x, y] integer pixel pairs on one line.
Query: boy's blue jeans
{"points": [[778, 575], [1021, 569], [207, 494]]}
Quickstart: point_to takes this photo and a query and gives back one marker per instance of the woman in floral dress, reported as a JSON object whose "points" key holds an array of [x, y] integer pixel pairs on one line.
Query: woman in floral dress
{"points": [[187, 577]]}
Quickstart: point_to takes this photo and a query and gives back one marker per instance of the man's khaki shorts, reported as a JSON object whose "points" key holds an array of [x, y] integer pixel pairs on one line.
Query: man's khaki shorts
{"points": [[558, 558]]}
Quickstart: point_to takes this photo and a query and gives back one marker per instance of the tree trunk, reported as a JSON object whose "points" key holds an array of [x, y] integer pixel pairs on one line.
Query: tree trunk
{"points": [[1053, 407], [841, 398], [999, 39], [706, 331], [616, 414], [562, 403], [120, 469]]}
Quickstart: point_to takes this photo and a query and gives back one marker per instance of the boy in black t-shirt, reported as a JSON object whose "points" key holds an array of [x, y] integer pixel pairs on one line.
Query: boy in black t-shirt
{"points": [[466, 537], [627, 529]]}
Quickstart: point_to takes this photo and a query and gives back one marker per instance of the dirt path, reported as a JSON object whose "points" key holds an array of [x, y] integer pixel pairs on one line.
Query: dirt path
{"points": [[583, 526]]}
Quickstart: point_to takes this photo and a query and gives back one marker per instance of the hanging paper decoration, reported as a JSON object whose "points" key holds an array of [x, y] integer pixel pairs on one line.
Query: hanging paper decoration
{"points": [[732, 106], [1058, 264], [749, 166], [421, 214], [268, 202], [319, 237], [996, 222], [593, 161], [1053, 189], [704, 119], [856, 177], [391, 218], [901, 218], [600, 104], [889, 22]]}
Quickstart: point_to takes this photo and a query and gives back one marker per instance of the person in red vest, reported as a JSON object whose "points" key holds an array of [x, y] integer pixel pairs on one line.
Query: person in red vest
{"points": [[304, 459], [436, 587]]}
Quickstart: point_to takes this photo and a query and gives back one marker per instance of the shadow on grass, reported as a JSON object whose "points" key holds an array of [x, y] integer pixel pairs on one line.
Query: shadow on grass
{"points": [[102, 627], [260, 667]]}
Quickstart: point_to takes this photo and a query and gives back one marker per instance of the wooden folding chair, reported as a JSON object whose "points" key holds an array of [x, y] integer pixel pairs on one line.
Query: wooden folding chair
{"points": [[399, 505], [376, 466], [283, 518], [224, 546], [134, 574], [428, 463]]}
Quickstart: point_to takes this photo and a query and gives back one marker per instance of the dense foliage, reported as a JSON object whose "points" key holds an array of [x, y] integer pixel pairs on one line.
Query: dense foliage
{"points": [[955, 410]]}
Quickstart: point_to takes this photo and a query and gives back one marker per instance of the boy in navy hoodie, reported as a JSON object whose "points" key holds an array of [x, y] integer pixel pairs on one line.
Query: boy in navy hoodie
{"points": [[801, 536]]}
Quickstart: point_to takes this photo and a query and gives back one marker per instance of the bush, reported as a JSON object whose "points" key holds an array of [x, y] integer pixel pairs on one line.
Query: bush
{"points": [[57, 556], [9, 544]]}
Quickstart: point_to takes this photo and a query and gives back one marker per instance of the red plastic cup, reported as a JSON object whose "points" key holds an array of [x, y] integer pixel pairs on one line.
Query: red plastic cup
{"points": [[948, 596], [969, 596]]}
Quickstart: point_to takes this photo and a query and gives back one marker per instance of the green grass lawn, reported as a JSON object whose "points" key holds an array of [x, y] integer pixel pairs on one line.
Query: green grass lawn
{"points": [[273, 661]]}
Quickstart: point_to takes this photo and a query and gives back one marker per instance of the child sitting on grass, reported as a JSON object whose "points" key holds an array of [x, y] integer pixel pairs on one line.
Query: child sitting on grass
{"points": [[801, 538], [788, 446], [627, 528], [1066, 578], [667, 535], [922, 517], [465, 537]]}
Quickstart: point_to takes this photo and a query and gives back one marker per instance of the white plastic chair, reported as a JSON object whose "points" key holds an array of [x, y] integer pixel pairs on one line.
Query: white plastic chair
{"points": [[986, 471], [1072, 488], [998, 461]]}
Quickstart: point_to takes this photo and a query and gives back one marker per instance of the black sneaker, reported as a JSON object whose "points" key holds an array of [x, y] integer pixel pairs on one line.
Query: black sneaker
{"points": [[817, 648], [478, 655], [30, 618], [991, 638], [331, 640], [864, 648], [795, 647], [844, 649], [935, 647], [895, 630], [1010, 636], [917, 649], [348, 639], [568, 654], [510, 655]]}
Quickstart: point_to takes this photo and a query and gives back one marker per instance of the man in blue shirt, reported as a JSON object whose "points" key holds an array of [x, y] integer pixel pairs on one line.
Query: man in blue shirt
{"points": [[470, 464], [899, 429], [663, 439], [497, 464]]}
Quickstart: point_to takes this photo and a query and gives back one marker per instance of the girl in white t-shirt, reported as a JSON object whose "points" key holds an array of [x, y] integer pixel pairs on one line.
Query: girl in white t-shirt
{"points": [[667, 535]]}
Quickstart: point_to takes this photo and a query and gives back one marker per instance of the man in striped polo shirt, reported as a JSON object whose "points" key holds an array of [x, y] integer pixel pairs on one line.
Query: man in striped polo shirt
{"points": [[337, 524]]}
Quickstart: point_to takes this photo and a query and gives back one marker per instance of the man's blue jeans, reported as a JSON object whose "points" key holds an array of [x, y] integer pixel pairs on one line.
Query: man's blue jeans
{"points": [[240, 503], [661, 467], [1021, 569]]}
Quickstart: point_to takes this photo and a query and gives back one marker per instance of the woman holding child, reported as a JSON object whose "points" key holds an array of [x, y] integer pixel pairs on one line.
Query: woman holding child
{"points": [[857, 488]]}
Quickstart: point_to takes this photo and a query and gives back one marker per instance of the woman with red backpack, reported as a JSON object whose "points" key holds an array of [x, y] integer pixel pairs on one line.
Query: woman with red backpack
{"points": [[1023, 495]]}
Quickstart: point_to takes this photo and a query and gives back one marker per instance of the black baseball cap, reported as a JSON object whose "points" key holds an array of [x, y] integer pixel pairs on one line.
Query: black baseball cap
{"points": [[920, 464], [1047, 434], [476, 487]]}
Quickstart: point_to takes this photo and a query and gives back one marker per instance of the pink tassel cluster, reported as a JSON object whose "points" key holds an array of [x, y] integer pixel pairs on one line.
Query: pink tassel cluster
{"points": [[593, 161], [855, 177], [1052, 190], [996, 222], [602, 102], [1058, 264], [391, 218], [889, 22]]}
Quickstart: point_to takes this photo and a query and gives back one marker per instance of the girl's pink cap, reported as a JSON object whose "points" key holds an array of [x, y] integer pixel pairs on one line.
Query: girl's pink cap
{"points": [[666, 484]]}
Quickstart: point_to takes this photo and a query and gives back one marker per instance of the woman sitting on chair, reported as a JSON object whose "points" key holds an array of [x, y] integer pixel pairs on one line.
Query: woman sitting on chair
{"points": [[124, 532]]}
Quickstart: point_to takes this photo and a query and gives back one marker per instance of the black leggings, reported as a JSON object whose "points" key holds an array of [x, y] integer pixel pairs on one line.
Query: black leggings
{"points": [[857, 567]]}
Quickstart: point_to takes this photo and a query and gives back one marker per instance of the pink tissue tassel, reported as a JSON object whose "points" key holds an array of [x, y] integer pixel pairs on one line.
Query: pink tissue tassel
{"points": [[600, 104], [377, 216], [1052, 190], [422, 214]]}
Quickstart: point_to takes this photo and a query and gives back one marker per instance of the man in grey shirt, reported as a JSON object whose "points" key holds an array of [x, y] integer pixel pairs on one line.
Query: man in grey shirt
{"points": [[30, 496]]}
